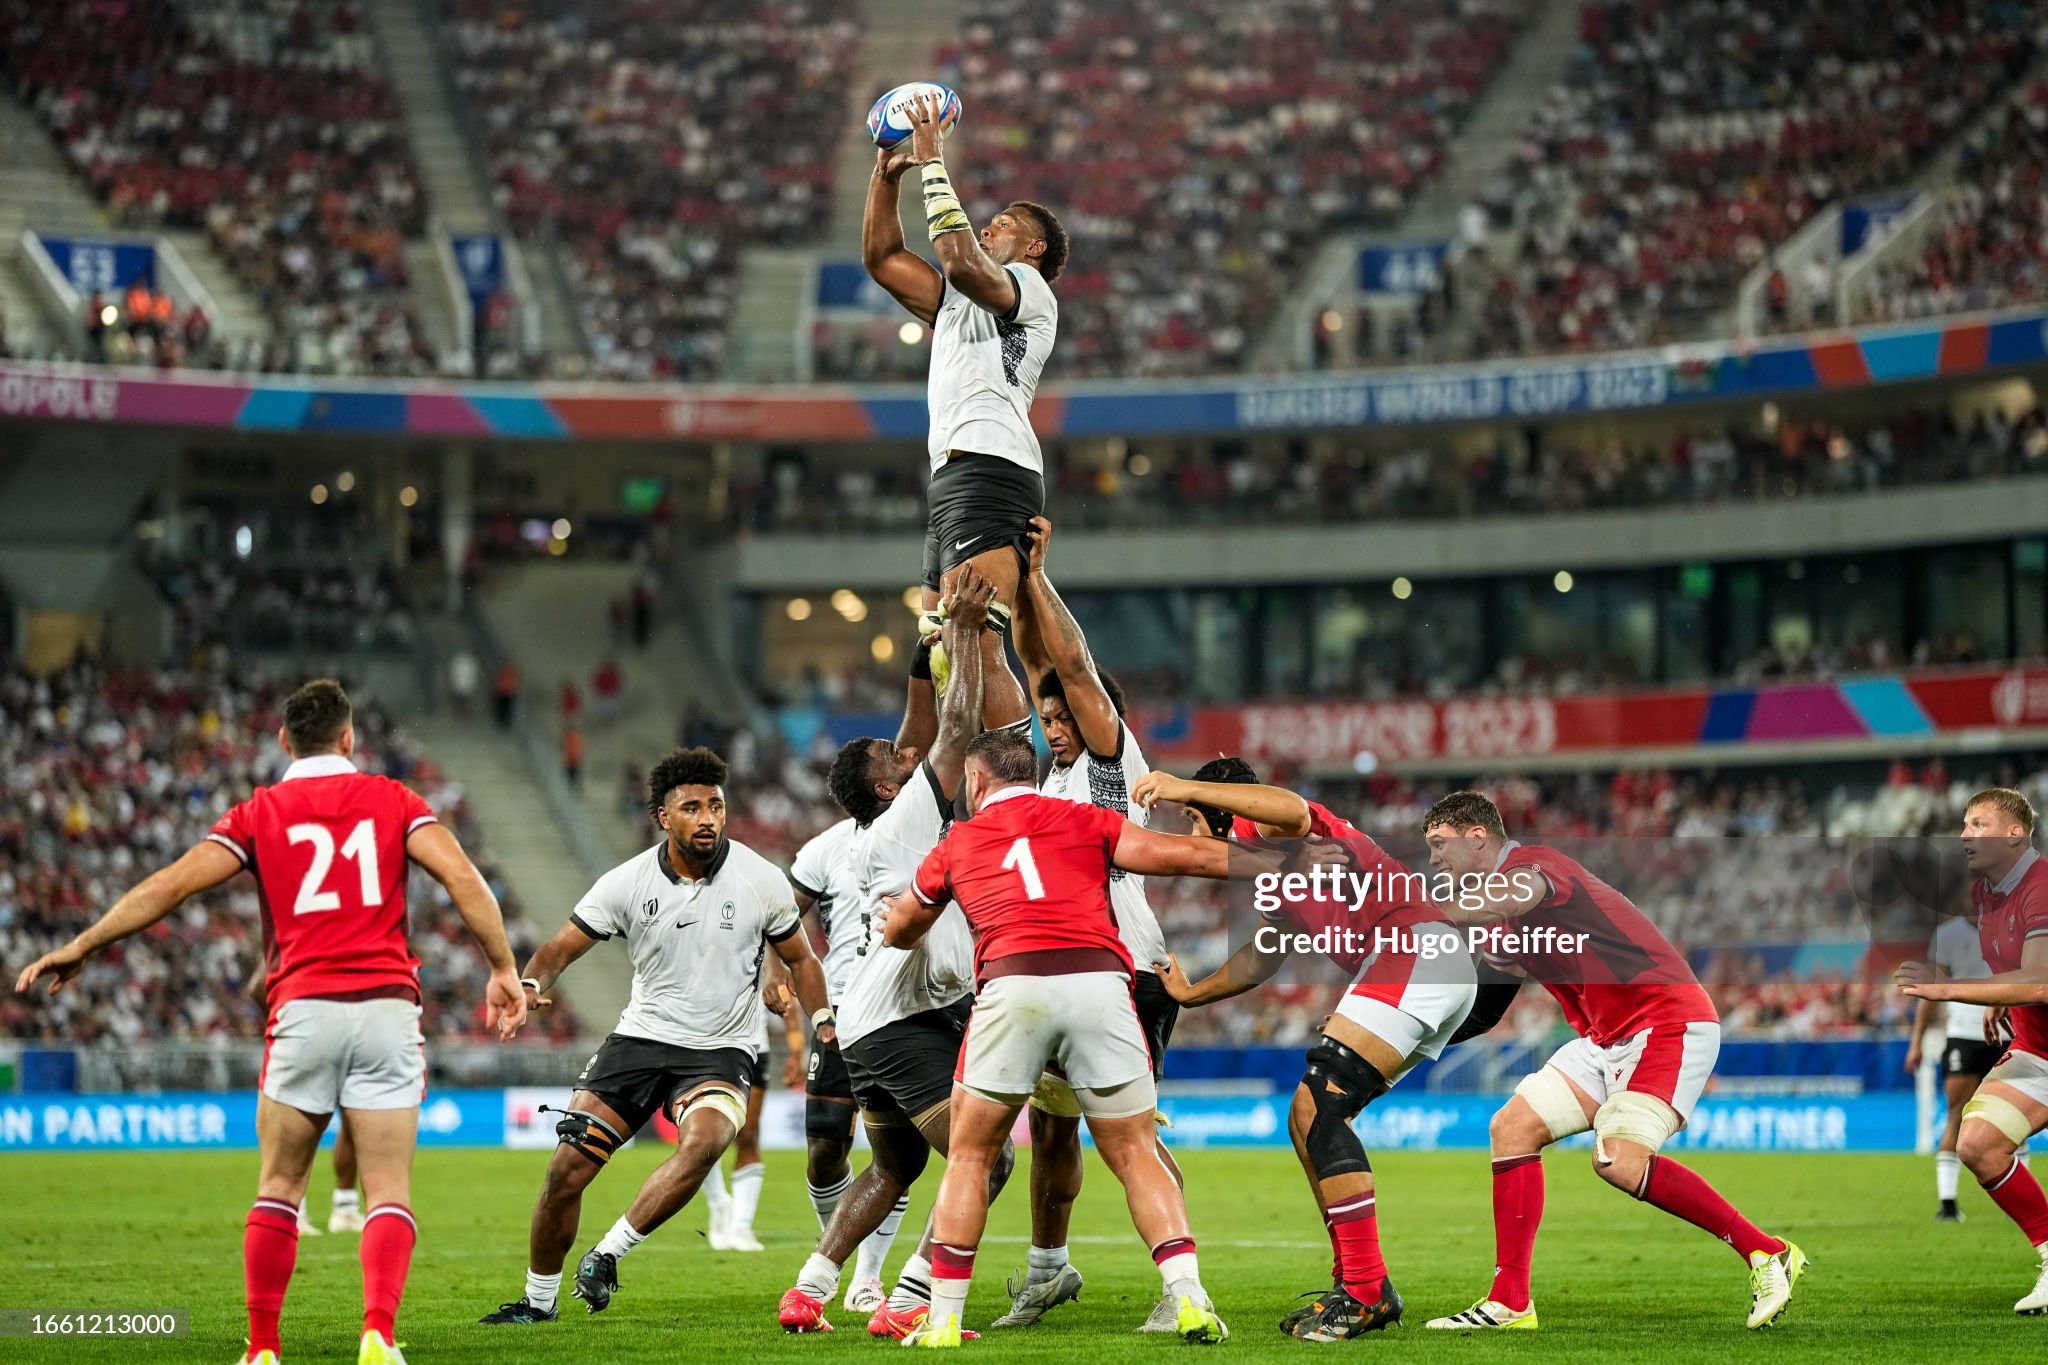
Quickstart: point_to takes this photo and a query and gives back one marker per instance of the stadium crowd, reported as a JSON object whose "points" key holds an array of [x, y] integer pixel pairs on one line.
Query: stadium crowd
{"points": [[1691, 139], [1253, 131], [1179, 485], [1990, 246], [265, 123], [109, 774], [656, 141]]}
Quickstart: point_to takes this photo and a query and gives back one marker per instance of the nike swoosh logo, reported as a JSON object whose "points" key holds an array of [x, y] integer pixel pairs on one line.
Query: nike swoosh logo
{"points": [[684, 923], [965, 543]]}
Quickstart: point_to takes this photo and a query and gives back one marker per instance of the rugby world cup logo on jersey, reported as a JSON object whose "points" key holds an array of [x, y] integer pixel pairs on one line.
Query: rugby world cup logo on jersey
{"points": [[649, 910]]}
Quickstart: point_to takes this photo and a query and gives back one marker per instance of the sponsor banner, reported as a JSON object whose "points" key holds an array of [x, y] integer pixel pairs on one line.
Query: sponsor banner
{"points": [[48, 1122], [1413, 269], [1509, 390], [99, 267], [1329, 734], [510, 1118], [480, 259], [1422, 1123]]}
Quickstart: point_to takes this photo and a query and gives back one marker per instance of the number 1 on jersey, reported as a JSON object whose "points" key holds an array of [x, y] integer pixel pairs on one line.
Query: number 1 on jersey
{"points": [[1019, 857], [360, 848]]}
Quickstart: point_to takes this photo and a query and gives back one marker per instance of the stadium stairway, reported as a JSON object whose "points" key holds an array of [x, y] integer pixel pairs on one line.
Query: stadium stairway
{"points": [[36, 190], [898, 38], [1538, 59], [413, 64], [553, 620], [238, 317]]}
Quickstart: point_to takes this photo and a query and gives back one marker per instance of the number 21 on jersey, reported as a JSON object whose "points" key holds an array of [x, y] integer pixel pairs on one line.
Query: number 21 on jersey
{"points": [[359, 848]]}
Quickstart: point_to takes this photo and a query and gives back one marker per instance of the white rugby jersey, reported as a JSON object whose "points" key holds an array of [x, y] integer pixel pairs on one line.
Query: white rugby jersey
{"points": [[824, 870], [696, 946], [985, 370], [1106, 782], [888, 984], [1957, 950]]}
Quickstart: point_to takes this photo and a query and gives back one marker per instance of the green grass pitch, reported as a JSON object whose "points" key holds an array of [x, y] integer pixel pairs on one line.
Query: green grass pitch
{"points": [[1615, 1281]]}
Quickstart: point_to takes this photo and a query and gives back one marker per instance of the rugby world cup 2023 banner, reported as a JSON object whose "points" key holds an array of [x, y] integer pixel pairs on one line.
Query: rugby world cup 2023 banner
{"points": [[1344, 734], [1516, 390]]}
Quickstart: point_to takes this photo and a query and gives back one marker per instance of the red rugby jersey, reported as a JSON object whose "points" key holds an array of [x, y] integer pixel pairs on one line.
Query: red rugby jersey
{"points": [[1398, 898], [327, 846], [1628, 978], [2009, 914], [1031, 873]]}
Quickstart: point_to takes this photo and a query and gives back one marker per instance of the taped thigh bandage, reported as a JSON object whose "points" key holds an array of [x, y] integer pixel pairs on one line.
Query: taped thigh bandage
{"points": [[1053, 1095], [2001, 1114], [1548, 1093], [1340, 1083], [716, 1097], [1629, 1116], [589, 1134]]}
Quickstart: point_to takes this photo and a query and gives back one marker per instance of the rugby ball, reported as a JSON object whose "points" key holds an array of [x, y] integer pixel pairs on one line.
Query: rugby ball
{"points": [[889, 120]]}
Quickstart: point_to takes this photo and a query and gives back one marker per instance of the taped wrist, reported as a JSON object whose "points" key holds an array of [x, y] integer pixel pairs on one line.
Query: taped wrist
{"points": [[942, 211], [921, 662]]}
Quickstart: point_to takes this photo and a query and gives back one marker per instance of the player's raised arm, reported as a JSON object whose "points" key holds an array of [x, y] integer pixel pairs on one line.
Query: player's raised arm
{"points": [[908, 277], [1057, 645], [205, 865], [967, 266], [920, 728], [436, 850], [1278, 812], [960, 714]]}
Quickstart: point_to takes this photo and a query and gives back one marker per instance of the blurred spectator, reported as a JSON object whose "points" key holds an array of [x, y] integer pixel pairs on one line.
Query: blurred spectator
{"points": [[572, 755], [505, 694], [464, 676], [606, 684]]}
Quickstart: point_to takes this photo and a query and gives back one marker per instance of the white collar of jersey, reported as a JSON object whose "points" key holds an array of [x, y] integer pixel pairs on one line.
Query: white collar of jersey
{"points": [[2019, 869], [1505, 849], [1005, 793], [319, 765]]}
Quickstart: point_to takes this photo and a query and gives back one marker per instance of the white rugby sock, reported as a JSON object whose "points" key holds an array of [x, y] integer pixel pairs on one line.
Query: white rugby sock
{"points": [[1182, 1277], [746, 1195], [346, 1201], [819, 1278], [913, 1285], [713, 1190], [621, 1239], [874, 1248], [1948, 1175], [541, 1290], [825, 1198], [1045, 1263]]}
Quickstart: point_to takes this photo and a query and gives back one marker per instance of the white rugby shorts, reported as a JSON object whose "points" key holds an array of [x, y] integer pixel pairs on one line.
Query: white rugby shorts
{"points": [[353, 1054], [1084, 1023], [1670, 1062]]}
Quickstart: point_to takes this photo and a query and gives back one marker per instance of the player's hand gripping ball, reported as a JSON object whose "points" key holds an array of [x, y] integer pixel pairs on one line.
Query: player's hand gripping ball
{"points": [[889, 121]]}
